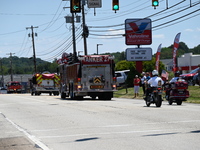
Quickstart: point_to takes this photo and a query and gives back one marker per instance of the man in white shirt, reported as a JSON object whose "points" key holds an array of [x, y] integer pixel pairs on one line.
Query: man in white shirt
{"points": [[153, 82]]}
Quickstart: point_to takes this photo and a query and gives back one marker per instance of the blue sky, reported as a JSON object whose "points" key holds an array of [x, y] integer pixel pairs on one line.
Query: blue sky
{"points": [[106, 27]]}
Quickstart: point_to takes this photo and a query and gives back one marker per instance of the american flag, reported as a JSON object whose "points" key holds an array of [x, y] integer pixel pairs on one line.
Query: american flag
{"points": [[165, 74]]}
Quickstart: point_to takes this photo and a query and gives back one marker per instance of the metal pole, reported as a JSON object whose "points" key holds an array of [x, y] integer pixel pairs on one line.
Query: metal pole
{"points": [[98, 48]]}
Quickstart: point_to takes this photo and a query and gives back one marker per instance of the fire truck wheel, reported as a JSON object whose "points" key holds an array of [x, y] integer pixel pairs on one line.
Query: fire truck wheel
{"points": [[37, 93], [94, 97], [78, 97], [103, 97]]}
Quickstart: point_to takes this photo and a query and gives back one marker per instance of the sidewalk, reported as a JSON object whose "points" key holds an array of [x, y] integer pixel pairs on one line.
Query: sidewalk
{"points": [[13, 139]]}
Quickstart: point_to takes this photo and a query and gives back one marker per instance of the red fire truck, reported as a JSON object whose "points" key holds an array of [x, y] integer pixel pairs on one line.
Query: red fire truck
{"points": [[90, 75], [45, 82], [14, 87]]}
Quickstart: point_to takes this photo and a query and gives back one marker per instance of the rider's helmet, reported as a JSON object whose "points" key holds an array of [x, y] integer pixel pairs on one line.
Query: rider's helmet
{"points": [[155, 73], [177, 74]]}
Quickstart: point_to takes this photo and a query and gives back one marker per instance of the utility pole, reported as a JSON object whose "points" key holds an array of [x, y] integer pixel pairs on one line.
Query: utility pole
{"points": [[84, 27], [33, 42], [73, 36], [11, 70], [2, 79]]}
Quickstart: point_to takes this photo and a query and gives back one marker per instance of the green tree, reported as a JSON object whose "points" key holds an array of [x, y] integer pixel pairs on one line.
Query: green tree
{"points": [[124, 65], [131, 75]]}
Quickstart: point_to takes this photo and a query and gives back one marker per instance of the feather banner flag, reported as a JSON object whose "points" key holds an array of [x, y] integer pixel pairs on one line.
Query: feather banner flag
{"points": [[175, 48], [158, 57]]}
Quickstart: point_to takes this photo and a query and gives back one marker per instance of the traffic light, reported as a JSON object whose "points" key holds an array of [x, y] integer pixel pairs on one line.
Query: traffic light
{"points": [[155, 3], [115, 5], [75, 6]]}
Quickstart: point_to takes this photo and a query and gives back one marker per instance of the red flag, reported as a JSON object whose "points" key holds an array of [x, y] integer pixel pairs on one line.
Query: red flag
{"points": [[176, 44], [158, 57]]}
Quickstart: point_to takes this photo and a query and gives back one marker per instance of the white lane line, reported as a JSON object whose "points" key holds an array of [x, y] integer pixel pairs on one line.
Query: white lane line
{"points": [[103, 133], [31, 137]]}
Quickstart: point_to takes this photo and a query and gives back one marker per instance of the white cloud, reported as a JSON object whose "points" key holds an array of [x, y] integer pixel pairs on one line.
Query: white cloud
{"points": [[198, 29], [189, 30], [159, 36]]}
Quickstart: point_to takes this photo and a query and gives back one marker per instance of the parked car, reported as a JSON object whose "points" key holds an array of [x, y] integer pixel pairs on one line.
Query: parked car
{"points": [[121, 76], [3, 88], [189, 76], [195, 80]]}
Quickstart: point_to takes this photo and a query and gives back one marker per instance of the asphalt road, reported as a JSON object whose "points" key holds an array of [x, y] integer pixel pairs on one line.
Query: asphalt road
{"points": [[49, 123]]}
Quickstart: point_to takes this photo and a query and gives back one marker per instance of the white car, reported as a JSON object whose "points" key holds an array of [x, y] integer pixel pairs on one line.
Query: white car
{"points": [[121, 76]]}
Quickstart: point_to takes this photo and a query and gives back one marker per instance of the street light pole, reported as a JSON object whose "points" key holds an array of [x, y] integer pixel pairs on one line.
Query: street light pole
{"points": [[98, 48]]}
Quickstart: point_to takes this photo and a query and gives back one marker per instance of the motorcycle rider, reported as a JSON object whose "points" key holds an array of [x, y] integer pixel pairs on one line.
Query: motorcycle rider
{"points": [[175, 78], [172, 81], [153, 82]]}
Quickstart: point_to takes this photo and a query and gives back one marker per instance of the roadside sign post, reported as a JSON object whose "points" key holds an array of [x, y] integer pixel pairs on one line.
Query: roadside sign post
{"points": [[138, 32]]}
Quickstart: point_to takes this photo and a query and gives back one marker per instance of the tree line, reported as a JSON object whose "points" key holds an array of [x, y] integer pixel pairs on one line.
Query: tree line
{"points": [[25, 65]]}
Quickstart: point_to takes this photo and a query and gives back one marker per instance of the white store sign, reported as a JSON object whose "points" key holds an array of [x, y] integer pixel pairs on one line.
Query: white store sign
{"points": [[138, 54]]}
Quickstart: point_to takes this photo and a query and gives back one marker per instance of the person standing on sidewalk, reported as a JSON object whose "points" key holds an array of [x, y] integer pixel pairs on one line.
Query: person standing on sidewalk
{"points": [[136, 83]]}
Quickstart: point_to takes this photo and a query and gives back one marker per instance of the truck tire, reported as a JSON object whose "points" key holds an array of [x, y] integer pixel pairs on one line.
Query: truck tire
{"points": [[93, 97], [105, 96]]}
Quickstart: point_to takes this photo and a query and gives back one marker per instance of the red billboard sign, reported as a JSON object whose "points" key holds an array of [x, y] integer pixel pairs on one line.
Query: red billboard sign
{"points": [[138, 31]]}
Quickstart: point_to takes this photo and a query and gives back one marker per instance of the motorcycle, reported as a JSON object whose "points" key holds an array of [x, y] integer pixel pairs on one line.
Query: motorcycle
{"points": [[154, 96], [176, 92]]}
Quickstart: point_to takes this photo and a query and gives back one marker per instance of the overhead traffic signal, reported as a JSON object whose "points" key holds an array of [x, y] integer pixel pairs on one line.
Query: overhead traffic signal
{"points": [[155, 3], [115, 5], [75, 6]]}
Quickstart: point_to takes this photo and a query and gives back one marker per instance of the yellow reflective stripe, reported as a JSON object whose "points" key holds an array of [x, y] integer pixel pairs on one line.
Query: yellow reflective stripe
{"points": [[57, 79], [39, 79]]}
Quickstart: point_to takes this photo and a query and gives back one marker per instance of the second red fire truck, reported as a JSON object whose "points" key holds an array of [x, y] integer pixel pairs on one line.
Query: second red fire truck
{"points": [[45, 82]]}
